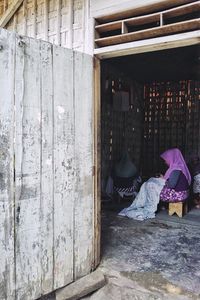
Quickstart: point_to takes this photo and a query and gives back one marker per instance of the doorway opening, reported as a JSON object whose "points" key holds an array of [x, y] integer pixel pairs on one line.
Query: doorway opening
{"points": [[150, 102]]}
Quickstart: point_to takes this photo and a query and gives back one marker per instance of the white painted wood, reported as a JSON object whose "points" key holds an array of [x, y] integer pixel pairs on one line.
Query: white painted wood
{"points": [[98, 6], [40, 19], [88, 30], [69, 43], [46, 21], [7, 44], [155, 44], [25, 17], [28, 169], [58, 27], [78, 24], [53, 217], [47, 172], [84, 227], [34, 18], [5, 18], [101, 8], [63, 166]]}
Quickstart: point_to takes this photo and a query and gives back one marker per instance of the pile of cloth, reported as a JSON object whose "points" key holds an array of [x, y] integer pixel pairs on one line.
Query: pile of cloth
{"points": [[124, 178]]}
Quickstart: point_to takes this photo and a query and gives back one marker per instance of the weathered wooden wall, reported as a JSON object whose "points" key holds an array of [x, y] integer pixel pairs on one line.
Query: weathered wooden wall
{"points": [[70, 23], [61, 22], [46, 183]]}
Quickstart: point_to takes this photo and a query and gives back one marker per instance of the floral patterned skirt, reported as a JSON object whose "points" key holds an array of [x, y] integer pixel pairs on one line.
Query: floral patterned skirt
{"points": [[170, 195]]}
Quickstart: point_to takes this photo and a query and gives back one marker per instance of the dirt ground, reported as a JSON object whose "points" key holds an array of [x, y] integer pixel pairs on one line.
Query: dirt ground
{"points": [[152, 259]]}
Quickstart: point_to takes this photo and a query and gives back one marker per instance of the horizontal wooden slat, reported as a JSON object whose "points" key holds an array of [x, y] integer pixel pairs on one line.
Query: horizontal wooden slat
{"points": [[149, 45], [185, 9], [109, 26], [143, 20], [149, 33], [150, 18]]}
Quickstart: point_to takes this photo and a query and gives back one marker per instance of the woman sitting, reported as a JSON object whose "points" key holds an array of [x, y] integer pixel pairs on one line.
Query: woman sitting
{"points": [[124, 179], [177, 177], [174, 185]]}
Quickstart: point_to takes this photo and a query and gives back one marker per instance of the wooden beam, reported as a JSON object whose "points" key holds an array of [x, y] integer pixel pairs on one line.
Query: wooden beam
{"points": [[154, 44], [142, 20], [161, 19], [97, 161], [182, 10], [124, 28], [136, 10], [10, 12], [109, 26], [82, 287]]}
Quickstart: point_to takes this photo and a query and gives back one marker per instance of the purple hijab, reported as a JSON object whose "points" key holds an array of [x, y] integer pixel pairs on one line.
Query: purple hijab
{"points": [[175, 161]]}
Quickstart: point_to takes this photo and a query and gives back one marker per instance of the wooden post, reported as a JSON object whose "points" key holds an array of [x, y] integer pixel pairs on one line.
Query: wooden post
{"points": [[97, 161], [124, 28], [161, 19]]}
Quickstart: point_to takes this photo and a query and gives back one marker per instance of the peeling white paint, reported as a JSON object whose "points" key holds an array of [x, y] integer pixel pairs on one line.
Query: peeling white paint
{"points": [[53, 165], [39, 117], [60, 109], [49, 162]]}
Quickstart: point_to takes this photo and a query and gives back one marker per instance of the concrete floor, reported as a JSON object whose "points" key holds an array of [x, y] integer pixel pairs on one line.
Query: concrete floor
{"points": [[153, 259]]}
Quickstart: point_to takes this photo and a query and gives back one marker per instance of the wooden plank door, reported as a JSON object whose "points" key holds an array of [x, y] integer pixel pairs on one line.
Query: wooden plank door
{"points": [[7, 274], [46, 201]]}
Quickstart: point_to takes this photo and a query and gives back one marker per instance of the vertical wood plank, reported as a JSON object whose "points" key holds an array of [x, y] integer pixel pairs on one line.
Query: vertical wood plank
{"points": [[47, 176], [28, 168], [70, 25], [25, 17], [63, 165], [58, 21], [34, 18], [46, 19], [7, 52], [84, 232], [97, 162]]}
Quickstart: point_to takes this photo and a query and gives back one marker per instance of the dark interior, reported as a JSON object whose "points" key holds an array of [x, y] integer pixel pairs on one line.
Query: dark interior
{"points": [[161, 109]]}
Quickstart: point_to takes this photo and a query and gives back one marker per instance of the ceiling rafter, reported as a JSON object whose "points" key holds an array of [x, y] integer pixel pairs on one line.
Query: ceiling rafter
{"points": [[8, 14]]}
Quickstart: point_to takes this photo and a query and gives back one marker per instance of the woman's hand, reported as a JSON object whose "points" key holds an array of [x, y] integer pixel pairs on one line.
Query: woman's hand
{"points": [[159, 175]]}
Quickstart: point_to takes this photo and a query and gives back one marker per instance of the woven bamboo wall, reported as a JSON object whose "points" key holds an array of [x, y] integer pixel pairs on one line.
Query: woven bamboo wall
{"points": [[172, 119], [166, 114], [119, 130]]}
